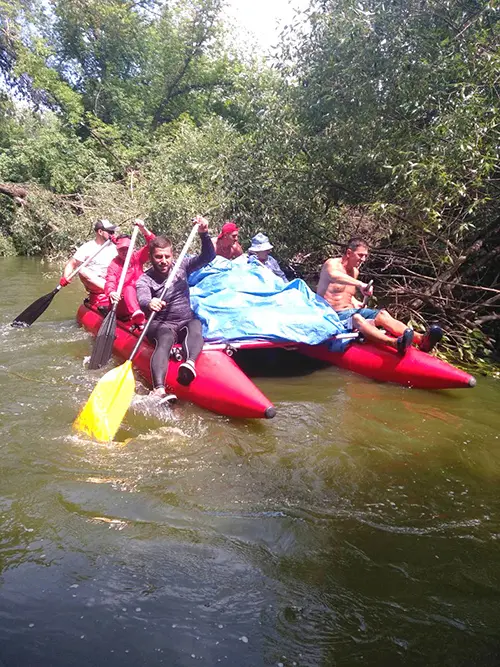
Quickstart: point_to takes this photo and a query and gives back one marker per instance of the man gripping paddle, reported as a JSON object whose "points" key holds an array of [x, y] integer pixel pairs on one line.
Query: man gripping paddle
{"points": [[338, 282], [127, 306], [93, 276], [102, 415], [174, 321]]}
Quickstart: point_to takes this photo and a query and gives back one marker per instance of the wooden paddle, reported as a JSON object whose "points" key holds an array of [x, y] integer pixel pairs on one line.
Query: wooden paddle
{"points": [[103, 344], [103, 413], [38, 307]]}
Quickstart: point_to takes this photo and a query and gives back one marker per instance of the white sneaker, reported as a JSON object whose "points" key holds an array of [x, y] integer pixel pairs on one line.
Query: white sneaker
{"points": [[186, 373], [168, 398]]}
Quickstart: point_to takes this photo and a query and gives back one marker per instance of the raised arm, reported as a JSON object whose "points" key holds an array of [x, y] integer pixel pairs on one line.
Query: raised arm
{"points": [[143, 253], [148, 235], [207, 253]]}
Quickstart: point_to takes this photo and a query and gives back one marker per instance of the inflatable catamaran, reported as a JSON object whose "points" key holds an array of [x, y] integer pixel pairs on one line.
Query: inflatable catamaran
{"points": [[245, 310]]}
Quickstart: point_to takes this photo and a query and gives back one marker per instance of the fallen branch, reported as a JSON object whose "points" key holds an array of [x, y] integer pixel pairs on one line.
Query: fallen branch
{"points": [[487, 318], [14, 191], [448, 282]]}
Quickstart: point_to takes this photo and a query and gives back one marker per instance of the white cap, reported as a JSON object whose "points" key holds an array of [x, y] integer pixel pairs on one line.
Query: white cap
{"points": [[104, 224]]}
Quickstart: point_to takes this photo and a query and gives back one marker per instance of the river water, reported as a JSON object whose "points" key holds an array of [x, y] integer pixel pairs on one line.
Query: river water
{"points": [[359, 527]]}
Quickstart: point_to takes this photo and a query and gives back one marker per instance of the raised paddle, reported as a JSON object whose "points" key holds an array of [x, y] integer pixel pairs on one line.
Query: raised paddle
{"points": [[103, 413], [38, 307], [103, 344]]}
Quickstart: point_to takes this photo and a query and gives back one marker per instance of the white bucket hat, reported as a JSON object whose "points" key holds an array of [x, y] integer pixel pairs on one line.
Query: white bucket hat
{"points": [[260, 242]]}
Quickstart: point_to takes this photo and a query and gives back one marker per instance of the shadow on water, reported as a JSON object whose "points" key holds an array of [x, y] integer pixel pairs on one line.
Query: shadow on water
{"points": [[359, 527]]}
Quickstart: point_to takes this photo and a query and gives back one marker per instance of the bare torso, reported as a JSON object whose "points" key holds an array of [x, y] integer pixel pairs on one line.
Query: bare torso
{"points": [[339, 296]]}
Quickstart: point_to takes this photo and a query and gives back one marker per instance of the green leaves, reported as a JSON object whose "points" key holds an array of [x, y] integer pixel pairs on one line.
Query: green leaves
{"points": [[58, 94], [378, 117], [45, 153]]}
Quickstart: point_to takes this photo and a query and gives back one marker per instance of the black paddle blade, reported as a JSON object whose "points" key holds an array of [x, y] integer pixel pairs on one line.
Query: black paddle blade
{"points": [[33, 312], [103, 346]]}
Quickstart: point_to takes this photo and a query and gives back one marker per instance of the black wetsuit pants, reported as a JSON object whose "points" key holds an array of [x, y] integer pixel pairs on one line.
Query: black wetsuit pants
{"points": [[165, 334]]}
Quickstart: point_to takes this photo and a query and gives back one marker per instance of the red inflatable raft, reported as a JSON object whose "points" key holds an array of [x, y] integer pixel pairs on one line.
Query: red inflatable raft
{"points": [[379, 362], [416, 369], [220, 385]]}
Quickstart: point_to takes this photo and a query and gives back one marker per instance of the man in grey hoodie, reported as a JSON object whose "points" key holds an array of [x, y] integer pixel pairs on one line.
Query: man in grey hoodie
{"points": [[175, 321]]}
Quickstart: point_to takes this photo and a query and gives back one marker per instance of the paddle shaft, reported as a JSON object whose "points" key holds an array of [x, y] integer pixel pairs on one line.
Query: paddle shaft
{"points": [[87, 261], [103, 344], [126, 264], [38, 307], [168, 282]]}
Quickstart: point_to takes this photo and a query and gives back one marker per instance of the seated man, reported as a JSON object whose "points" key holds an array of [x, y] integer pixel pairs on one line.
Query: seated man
{"points": [[337, 285], [128, 307], [93, 276], [261, 249], [226, 244], [175, 321]]}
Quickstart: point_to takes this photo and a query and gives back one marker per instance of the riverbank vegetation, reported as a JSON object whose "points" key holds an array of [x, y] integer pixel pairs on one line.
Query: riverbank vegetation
{"points": [[374, 118]]}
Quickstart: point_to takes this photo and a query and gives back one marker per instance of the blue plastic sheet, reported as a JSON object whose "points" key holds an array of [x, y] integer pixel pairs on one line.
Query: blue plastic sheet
{"points": [[244, 302]]}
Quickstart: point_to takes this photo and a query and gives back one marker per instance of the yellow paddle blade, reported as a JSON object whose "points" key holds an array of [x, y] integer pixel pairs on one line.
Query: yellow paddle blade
{"points": [[103, 413]]}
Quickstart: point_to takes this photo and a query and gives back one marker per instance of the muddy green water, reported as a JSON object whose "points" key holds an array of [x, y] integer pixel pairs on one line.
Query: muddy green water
{"points": [[359, 527]]}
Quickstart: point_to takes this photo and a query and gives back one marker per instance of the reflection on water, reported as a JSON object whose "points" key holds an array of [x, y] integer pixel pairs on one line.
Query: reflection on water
{"points": [[359, 527]]}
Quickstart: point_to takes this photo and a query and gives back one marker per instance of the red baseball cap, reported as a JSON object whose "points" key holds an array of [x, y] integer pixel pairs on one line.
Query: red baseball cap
{"points": [[123, 242], [228, 228]]}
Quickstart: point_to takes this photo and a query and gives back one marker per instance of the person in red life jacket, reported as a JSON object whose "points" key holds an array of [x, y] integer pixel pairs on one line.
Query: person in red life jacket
{"points": [[226, 244], [93, 275], [128, 307]]}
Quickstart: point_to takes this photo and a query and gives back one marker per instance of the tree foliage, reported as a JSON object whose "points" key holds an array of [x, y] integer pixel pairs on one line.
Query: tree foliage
{"points": [[398, 107], [378, 117]]}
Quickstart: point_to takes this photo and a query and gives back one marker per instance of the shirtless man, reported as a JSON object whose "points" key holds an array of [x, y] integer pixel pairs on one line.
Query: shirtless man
{"points": [[338, 282], [226, 244]]}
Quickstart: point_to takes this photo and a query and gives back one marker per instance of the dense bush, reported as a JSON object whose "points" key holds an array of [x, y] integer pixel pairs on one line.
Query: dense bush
{"points": [[45, 153], [378, 118]]}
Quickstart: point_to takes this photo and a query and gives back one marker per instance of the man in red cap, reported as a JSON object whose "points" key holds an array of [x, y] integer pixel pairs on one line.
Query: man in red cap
{"points": [[227, 244], [128, 307]]}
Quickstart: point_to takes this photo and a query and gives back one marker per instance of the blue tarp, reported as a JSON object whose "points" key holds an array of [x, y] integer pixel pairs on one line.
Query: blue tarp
{"points": [[244, 302]]}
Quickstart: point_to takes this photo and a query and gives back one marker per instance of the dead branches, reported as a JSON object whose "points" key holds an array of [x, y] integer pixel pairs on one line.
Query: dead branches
{"points": [[17, 192]]}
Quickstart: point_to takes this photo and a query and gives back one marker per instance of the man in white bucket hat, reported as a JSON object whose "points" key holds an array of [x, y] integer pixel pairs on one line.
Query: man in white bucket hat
{"points": [[261, 249]]}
